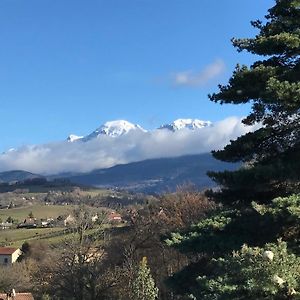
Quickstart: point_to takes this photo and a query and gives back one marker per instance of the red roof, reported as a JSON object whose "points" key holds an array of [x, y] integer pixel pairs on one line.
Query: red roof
{"points": [[19, 296], [7, 250], [114, 216]]}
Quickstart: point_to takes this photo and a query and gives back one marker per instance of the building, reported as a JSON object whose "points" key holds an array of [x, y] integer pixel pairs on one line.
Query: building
{"points": [[69, 220], [28, 223], [6, 225], [16, 296], [9, 255], [114, 217]]}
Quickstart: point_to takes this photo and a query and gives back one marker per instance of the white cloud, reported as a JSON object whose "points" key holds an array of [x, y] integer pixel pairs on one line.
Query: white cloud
{"points": [[107, 151], [196, 79]]}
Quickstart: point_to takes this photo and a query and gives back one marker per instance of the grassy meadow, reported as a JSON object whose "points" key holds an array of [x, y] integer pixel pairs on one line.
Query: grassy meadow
{"points": [[39, 212]]}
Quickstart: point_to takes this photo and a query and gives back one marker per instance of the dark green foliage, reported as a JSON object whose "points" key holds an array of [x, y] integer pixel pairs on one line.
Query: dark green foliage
{"points": [[227, 248], [272, 86], [285, 212], [143, 285], [223, 275], [25, 251], [253, 273], [226, 230]]}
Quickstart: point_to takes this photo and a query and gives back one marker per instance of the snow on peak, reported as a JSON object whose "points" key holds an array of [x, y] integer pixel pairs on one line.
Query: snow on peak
{"points": [[114, 129], [121, 127], [191, 124], [72, 138]]}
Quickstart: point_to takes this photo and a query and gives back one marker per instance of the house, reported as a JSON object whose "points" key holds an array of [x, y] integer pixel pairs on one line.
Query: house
{"points": [[28, 223], [47, 222], [114, 217], [9, 255], [16, 296], [6, 225], [69, 220]]}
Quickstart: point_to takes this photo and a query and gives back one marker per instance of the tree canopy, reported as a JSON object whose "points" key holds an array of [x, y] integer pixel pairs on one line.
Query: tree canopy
{"points": [[248, 247], [271, 154]]}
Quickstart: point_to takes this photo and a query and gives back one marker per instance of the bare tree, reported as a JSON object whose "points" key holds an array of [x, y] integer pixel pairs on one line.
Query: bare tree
{"points": [[81, 269], [16, 277]]}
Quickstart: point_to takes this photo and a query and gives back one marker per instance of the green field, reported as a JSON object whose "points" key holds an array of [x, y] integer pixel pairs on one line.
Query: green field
{"points": [[39, 211], [53, 236], [16, 237]]}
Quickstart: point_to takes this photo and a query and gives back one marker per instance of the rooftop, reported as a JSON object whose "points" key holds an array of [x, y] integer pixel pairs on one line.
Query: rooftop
{"points": [[7, 251], [19, 296]]}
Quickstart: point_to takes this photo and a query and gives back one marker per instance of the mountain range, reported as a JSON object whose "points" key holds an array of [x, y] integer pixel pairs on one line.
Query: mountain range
{"points": [[156, 175], [122, 127], [17, 176], [116, 140], [148, 176]]}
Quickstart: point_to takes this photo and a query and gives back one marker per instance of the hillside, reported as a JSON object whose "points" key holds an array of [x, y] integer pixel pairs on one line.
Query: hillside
{"points": [[17, 175], [156, 175]]}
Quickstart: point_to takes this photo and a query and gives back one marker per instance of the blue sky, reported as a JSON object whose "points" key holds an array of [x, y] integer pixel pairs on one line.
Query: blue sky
{"points": [[67, 66]]}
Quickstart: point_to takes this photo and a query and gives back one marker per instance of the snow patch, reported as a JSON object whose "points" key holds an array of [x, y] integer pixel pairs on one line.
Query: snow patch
{"points": [[192, 124]]}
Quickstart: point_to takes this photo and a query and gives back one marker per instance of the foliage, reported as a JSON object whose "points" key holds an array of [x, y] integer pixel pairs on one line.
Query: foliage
{"points": [[272, 85], [150, 225], [144, 286], [16, 277], [284, 212], [183, 208], [226, 230], [251, 274], [78, 269], [287, 208]]}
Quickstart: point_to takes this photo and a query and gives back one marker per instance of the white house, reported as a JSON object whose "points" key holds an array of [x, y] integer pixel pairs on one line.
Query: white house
{"points": [[6, 225], [69, 220], [9, 255]]}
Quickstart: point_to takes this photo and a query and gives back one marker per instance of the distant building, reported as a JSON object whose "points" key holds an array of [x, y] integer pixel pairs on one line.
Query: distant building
{"points": [[9, 255], [16, 296], [69, 220], [95, 218], [6, 225], [28, 223], [114, 217]]}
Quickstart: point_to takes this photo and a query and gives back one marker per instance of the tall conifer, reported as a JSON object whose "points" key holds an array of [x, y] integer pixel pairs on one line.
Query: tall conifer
{"points": [[271, 154]]}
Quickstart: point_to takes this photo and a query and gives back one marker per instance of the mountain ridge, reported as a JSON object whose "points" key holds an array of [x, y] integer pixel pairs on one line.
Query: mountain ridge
{"points": [[156, 175], [119, 128], [17, 175]]}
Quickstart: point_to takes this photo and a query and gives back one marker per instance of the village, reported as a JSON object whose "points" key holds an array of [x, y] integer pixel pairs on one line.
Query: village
{"points": [[66, 225]]}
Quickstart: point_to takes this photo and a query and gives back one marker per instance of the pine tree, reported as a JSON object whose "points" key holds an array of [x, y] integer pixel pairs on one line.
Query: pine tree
{"points": [[272, 86], [144, 286], [253, 273], [227, 247]]}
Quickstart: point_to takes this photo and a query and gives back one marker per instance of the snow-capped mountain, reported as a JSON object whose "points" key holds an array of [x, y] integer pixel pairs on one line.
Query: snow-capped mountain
{"points": [[113, 129], [191, 124], [121, 127], [72, 138]]}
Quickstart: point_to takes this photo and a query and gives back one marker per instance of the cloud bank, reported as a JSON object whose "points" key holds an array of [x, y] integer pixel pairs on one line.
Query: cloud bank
{"points": [[106, 151], [195, 79]]}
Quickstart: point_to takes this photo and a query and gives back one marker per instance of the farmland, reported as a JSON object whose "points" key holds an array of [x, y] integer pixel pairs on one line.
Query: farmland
{"points": [[38, 211]]}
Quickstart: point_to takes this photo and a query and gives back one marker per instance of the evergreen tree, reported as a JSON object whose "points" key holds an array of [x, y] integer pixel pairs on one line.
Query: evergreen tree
{"points": [[227, 247], [144, 286], [253, 273], [272, 85], [227, 268]]}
